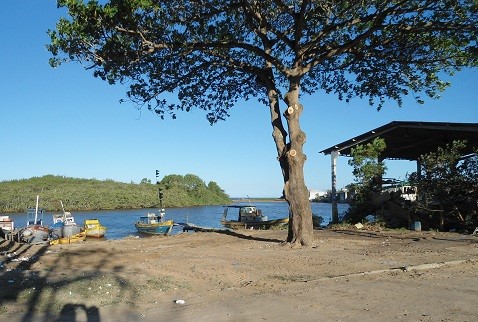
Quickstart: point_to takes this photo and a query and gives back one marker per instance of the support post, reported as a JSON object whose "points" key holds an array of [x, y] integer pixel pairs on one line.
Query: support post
{"points": [[419, 169], [335, 213], [419, 175]]}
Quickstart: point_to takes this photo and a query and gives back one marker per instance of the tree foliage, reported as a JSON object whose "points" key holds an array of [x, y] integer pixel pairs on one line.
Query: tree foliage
{"points": [[366, 163], [368, 170], [211, 54], [92, 194], [448, 187]]}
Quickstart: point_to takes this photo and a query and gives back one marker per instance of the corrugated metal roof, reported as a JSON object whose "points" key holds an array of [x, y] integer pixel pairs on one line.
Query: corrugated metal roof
{"points": [[408, 140]]}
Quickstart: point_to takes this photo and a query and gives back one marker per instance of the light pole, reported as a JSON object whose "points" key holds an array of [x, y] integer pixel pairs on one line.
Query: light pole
{"points": [[160, 196]]}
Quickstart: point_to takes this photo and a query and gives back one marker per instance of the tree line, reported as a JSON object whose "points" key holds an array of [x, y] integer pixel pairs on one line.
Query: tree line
{"points": [[93, 194]]}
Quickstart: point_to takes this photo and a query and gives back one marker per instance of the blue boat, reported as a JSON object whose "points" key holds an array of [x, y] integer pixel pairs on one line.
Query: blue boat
{"points": [[154, 224]]}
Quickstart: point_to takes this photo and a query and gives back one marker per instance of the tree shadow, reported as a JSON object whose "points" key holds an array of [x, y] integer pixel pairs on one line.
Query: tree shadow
{"points": [[411, 236], [73, 312], [237, 234], [12, 247], [42, 292], [468, 239], [362, 233]]}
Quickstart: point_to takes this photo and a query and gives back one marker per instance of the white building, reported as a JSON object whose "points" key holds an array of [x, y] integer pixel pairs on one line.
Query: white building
{"points": [[315, 194]]}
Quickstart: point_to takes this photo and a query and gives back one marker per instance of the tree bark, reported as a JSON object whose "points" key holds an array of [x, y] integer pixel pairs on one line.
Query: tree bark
{"points": [[292, 159]]}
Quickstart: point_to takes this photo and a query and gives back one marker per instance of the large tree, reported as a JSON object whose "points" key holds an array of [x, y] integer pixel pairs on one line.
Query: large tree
{"points": [[211, 54]]}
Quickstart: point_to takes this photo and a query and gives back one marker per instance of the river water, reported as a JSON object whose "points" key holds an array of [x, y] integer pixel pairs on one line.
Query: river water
{"points": [[120, 223]]}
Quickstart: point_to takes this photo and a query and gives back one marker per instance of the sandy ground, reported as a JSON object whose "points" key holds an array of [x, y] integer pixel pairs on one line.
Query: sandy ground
{"points": [[348, 275]]}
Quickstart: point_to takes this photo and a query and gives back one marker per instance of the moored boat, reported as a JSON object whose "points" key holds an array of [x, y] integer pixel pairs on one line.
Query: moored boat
{"points": [[93, 228], [6, 224], [64, 225], [81, 236], [154, 224], [35, 231], [249, 217]]}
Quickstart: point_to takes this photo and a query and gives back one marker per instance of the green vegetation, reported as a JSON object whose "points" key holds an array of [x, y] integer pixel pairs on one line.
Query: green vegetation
{"points": [[448, 188], [317, 221], [368, 171], [92, 194]]}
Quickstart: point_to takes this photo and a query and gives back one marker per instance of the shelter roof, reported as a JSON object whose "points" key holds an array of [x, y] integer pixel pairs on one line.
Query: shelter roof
{"points": [[408, 140]]}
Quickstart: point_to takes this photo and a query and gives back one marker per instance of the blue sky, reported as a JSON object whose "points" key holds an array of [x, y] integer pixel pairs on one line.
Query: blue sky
{"points": [[65, 122]]}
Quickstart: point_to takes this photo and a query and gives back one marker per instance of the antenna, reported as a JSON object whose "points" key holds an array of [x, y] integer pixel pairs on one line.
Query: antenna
{"points": [[36, 210]]}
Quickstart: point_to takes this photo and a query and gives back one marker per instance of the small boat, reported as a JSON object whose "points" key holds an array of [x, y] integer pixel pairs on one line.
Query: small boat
{"points": [[64, 225], [249, 217], [93, 228], [154, 224], [6, 224], [81, 236], [35, 232]]}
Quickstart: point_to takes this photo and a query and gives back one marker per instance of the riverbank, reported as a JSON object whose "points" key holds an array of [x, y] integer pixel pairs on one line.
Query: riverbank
{"points": [[347, 275]]}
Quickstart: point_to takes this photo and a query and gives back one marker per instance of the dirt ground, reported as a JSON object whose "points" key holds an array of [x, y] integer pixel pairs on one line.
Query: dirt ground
{"points": [[348, 275]]}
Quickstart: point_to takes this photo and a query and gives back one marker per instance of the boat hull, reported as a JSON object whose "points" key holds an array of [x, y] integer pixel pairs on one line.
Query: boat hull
{"points": [[69, 240], [96, 232], [93, 228], [66, 231], [35, 234], [160, 228], [268, 224], [6, 224]]}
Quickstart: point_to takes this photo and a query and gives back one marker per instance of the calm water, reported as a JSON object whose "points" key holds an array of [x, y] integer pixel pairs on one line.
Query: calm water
{"points": [[120, 223]]}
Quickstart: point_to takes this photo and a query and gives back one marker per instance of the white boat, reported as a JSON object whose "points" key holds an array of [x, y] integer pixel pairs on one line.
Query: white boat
{"points": [[64, 225], [35, 232], [6, 224]]}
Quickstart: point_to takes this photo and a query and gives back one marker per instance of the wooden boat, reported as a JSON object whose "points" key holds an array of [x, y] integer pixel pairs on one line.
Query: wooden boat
{"points": [[35, 232], [154, 224], [249, 217], [93, 228], [6, 224], [64, 225]]}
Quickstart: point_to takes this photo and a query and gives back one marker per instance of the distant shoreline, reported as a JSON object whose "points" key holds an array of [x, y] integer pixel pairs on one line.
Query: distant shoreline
{"points": [[257, 199]]}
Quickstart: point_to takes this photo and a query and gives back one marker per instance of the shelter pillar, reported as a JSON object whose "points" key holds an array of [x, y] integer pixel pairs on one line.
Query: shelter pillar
{"points": [[335, 212], [419, 169]]}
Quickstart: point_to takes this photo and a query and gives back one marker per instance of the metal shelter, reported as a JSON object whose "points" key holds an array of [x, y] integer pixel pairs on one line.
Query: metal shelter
{"points": [[405, 141]]}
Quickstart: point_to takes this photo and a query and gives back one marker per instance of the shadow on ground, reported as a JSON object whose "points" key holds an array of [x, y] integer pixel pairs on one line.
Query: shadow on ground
{"points": [[248, 237], [54, 291]]}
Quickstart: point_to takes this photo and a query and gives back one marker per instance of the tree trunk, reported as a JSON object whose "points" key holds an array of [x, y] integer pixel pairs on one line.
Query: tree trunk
{"points": [[292, 159]]}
